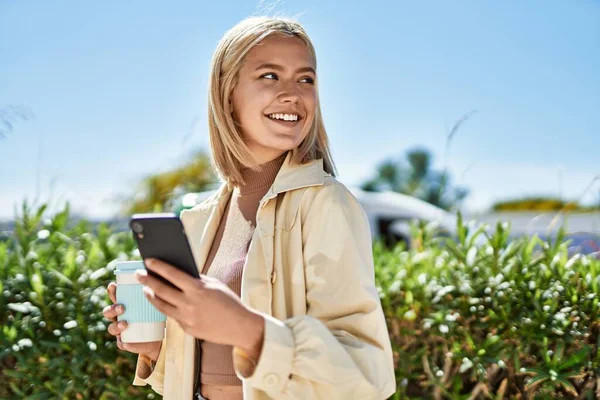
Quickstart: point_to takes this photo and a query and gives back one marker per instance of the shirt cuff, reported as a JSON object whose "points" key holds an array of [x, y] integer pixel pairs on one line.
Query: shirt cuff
{"points": [[274, 366], [145, 374]]}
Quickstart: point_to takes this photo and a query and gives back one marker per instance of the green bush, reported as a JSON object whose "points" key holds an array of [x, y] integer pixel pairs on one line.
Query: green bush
{"points": [[53, 338], [500, 320], [506, 319]]}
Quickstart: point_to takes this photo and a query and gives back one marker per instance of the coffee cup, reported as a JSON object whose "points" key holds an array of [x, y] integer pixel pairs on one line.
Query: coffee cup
{"points": [[144, 322]]}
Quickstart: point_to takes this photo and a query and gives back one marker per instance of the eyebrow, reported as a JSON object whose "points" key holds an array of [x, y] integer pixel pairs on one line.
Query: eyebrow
{"points": [[280, 68]]}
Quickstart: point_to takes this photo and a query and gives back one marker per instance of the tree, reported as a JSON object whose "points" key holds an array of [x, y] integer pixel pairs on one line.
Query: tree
{"points": [[413, 176], [157, 192]]}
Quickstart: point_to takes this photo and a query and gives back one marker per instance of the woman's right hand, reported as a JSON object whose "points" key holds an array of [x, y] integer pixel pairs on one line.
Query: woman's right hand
{"points": [[150, 349]]}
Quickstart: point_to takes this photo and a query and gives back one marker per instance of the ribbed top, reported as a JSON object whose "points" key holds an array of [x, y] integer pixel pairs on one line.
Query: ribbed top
{"points": [[260, 180], [226, 260]]}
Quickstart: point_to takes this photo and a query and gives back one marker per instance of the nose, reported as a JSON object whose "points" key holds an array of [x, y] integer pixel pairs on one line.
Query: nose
{"points": [[290, 94]]}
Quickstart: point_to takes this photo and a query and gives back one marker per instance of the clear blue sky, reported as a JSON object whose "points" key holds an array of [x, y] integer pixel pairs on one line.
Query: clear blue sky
{"points": [[118, 89]]}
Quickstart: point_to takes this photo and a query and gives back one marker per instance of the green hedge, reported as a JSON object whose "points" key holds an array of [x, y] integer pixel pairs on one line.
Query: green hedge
{"points": [[500, 320], [53, 338]]}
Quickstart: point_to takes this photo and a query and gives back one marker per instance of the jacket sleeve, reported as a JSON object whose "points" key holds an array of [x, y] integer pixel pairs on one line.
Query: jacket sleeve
{"points": [[145, 374], [341, 348]]}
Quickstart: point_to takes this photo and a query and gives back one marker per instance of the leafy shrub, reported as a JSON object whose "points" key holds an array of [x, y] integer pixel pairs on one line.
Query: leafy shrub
{"points": [[503, 319], [506, 319], [53, 338]]}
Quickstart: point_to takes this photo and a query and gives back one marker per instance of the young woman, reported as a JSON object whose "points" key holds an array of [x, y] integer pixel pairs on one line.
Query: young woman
{"points": [[286, 306]]}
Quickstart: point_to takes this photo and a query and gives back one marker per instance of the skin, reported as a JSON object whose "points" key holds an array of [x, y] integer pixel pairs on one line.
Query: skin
{"points": [[206, 308]]}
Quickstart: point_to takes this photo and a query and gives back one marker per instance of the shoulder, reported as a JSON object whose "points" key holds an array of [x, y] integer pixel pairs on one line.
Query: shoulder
{"points": [[332, 196], [203, 209]]}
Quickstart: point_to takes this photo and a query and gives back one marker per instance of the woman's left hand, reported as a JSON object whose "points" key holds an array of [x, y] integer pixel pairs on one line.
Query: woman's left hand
{"points": [[205, 308]]}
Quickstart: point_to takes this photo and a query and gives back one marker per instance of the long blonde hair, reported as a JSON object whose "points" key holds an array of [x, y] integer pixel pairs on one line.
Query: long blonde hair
{"points": [[229, 151]]}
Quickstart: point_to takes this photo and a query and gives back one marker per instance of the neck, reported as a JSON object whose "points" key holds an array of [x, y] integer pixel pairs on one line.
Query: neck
{"points": [[264, 157], [263, 178]]}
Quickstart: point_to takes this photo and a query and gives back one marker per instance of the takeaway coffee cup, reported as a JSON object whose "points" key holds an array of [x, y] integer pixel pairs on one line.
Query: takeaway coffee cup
{"points": [[144, 322]]}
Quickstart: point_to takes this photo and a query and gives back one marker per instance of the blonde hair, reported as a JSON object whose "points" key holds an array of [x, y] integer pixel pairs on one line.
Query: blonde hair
{"points": [[229, 151]]}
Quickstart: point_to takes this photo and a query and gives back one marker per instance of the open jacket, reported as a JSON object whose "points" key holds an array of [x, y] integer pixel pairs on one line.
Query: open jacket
{"points": [[309, 272]]}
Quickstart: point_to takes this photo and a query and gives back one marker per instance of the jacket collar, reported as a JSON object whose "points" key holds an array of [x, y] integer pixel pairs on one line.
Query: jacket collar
{"points": [[290, 176], [296, 176]]}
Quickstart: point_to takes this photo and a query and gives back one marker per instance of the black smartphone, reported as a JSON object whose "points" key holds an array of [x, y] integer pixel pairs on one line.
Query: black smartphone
{"points": [[162, 236]]}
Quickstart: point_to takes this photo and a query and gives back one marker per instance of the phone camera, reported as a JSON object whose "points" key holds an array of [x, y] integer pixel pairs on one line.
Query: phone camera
{"points": [[137, 227]]}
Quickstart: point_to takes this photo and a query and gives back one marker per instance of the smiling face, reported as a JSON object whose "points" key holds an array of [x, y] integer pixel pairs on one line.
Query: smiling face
{"points": [[275, 98]]}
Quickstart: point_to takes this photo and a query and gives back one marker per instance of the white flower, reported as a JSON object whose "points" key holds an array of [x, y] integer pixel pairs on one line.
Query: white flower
{"points": [[501, 364], [43, 234], [56, 332], [452, 317], [417, 258], [471, 255], [18, 307], [70, 324], [25, 343], [439, 374], [410, 315], [24, 308], [80, 259], [92, 346], [532, 285], [15, 347], [473, 309], [546, 308], [422, 279], [395, 287], [559, 316], [466, 365], [444, 328]]}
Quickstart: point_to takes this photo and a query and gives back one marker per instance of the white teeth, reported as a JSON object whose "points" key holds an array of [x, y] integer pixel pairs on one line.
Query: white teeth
{"points": [[285, 117]]}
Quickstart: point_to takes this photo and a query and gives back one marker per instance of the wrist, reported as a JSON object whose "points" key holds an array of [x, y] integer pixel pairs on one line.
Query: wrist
{"points": [[154, 355], [251, 341]]}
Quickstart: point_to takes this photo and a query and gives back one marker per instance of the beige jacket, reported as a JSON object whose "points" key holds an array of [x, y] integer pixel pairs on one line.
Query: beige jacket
{"points": [[309, 271]]}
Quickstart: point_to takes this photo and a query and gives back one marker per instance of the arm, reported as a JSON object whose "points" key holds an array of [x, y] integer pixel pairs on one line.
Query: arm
{"points": [[341, 348]]}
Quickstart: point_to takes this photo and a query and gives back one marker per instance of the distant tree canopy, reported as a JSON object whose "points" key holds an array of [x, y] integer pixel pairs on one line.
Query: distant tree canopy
{"points": [[541, 204], [414, 176], [157, 192]]}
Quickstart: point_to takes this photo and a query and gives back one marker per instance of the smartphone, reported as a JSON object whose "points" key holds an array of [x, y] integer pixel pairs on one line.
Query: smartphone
{"points": [[162, 236]]}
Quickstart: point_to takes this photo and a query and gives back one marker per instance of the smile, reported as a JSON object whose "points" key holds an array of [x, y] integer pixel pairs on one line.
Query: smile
{"points": [[284, 117]]}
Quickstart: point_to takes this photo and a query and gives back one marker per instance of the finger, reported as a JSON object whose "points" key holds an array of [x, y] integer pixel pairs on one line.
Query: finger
{"points": [[113, 310], [161, 305], [121, 345], [173, 296], [116, 328], [177, 277], [112, 291]]}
